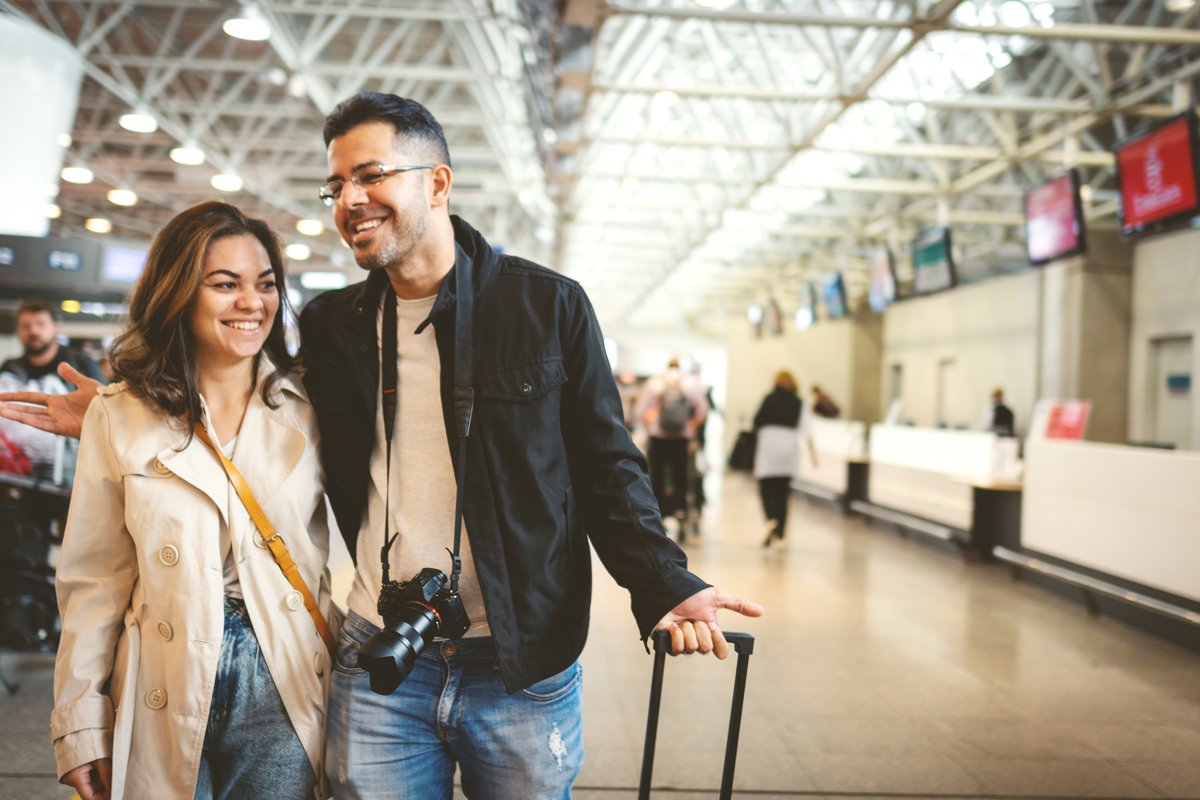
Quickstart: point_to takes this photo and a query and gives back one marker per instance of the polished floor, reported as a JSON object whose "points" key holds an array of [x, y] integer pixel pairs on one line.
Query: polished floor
{"points": [[884, 667]]}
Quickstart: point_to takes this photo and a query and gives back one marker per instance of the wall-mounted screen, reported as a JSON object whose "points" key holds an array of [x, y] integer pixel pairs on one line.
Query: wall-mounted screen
{"points": [[123, 264], [67, 260], [806, 312], [933, 264], [773, 318], [8, 256], [882, 291], [1157, 178], [1054, 219], [833, 295]]}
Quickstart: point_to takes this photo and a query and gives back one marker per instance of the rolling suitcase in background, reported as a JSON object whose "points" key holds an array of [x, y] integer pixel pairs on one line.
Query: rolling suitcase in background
{"points": [[743, 643]]}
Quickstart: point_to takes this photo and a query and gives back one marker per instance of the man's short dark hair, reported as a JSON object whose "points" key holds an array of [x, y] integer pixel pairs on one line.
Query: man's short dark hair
{"points": [[36, 306], [408, 118]]}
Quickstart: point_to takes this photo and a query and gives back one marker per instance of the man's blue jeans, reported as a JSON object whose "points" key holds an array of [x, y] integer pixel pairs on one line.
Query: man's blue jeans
{"points": [[452, 709]]}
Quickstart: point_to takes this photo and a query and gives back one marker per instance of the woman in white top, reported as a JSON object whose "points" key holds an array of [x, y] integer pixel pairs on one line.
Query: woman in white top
{"points": [[777, 453], [188, 665]]}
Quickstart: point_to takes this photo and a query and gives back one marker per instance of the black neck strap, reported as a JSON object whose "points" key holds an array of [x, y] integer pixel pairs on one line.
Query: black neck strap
{"points": [[464, 400]]}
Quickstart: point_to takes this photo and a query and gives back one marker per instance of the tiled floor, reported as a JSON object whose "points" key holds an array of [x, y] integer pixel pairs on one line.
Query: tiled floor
{"points": [[884, 668]]}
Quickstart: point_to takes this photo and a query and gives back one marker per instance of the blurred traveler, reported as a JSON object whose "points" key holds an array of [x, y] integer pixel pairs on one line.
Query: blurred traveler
{"points": [[777, 452], [183, 669], [823, 405], [999, 418], [672, 407]]}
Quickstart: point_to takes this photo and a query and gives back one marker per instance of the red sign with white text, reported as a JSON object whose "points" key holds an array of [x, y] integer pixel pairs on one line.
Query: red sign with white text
{"points": [[1158, 175], [1068, 420], [1051, 226]]}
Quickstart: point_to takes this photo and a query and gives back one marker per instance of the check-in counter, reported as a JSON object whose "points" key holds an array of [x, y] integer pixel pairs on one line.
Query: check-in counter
{"points": [[833, 460], [1122, 523], [955, 485]]}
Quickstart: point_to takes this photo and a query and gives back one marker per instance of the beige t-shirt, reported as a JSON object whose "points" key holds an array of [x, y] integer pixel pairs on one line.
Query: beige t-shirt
{"points": [[233, 584], [422, 491]]}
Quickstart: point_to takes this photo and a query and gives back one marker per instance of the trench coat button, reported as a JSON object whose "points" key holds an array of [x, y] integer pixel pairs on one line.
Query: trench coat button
{"points": [[259, 541], [156, 698], [169, 555], [319, 664], [448, 649], [165, 630], [294, 600], [161, 468], [526, 389]]}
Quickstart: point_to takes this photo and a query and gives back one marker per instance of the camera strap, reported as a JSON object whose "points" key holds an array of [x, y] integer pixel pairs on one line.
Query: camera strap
{"points": [[464, 400]]}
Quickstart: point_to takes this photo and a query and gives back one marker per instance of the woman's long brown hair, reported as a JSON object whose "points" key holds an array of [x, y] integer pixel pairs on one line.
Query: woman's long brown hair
{"points": [[156, 354]]}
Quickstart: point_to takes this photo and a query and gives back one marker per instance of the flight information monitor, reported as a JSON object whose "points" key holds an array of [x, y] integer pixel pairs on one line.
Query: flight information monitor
{"points": [[1157, 178], [806, 312], [833, 294], [1054, 219], [882, 290], [933, 264]]}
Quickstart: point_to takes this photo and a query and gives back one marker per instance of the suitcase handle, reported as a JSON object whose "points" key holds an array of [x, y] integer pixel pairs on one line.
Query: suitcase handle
{"points": [[743, 643]]}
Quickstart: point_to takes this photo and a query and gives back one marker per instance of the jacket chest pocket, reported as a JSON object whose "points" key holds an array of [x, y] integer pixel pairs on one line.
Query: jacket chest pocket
{"points": [[524, 383]]}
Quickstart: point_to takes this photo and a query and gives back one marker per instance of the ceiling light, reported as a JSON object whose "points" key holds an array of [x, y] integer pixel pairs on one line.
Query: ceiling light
{"points": [[1086, 192], [1179, 6], [299, 252], [629, 181], [70, 306], [122, 197], [666, 98], [98, 225], [324, 280], [550, 135], [139, 122], [310, 227], [226, 183], [53, 189], [77, 175], [52, 211], [187, 155], [64, 140], [249, 24]]}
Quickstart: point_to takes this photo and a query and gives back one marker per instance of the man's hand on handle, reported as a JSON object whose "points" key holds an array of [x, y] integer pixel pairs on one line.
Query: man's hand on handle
{"points": [[693, 623], [93, 781], [57, 413]]}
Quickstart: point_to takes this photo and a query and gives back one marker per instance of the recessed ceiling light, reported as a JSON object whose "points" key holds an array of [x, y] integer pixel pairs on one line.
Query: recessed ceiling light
{"points": [[138, 122], [1179, 6], [324, 280], [52, 211], [249, 24], [666, 98], [77, 175], [310, 227], [299, 252], [187, 155], [122, 197], [64, 140], [98, 225], [226, 183]]}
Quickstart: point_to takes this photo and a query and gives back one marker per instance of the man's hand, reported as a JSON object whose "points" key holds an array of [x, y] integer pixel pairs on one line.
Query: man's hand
{"points": [[693, 623], [56, 413], [93, 781]]}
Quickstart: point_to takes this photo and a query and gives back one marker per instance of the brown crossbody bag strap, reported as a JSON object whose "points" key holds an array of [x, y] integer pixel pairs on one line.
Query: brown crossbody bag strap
{"points": [[273, 540]]}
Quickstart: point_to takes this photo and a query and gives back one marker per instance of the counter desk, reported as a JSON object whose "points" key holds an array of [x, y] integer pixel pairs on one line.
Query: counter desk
{"points": [[833, 460]]}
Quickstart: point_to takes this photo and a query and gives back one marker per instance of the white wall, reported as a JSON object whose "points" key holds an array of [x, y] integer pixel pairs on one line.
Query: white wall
{"points": [[990, 329], [1166, 302]]}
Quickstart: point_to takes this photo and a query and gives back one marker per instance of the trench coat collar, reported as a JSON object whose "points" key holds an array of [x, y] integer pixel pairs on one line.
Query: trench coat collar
{"points": [[270, 444]]}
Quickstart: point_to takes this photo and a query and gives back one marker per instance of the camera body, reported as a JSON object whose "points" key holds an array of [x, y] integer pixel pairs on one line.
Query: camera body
{"points": [[414, 613]]}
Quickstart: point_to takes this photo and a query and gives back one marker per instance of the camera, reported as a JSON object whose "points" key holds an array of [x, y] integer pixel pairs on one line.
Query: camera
{"points": [[414, 612]]}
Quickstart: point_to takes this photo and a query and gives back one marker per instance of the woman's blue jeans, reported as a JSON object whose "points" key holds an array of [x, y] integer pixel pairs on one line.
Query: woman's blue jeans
{"points": [[250, 747], [451, 710]]}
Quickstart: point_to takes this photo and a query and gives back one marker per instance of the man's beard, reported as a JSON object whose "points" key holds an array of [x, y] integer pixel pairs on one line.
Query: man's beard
{"points": [[38, 350], [397, 247]]}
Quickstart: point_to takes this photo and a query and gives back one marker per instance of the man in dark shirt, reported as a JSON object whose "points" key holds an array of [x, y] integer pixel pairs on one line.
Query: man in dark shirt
{"points": [[38, 329], [1003, 420]]}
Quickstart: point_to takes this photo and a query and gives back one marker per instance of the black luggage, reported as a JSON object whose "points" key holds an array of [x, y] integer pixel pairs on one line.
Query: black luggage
{"points": [[743, 643]]}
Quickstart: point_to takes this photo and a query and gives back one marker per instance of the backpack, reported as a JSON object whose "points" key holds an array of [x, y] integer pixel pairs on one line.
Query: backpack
{"points": [[674, 411]]}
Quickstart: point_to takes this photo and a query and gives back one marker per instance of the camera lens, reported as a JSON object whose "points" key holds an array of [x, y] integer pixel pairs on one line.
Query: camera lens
{"points": [[390, 655]]}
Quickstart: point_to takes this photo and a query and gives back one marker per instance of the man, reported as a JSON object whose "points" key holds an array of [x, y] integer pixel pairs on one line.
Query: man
{"points": [[999, 418], [823, 405]]}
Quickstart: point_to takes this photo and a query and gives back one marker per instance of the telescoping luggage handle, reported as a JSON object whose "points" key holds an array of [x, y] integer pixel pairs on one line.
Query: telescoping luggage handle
{"points": [[743, 643]]}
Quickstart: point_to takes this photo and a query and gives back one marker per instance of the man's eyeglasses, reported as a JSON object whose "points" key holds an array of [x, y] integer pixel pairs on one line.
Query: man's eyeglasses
{"points": [[367, 176]]}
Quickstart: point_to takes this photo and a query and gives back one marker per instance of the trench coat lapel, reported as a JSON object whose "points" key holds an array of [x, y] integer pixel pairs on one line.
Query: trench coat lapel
{"points": [[270, 445], [200, 467]]}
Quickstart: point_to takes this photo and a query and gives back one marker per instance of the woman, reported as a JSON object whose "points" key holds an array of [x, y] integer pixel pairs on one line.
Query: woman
{"points": [[188, 665], [777, 454]]}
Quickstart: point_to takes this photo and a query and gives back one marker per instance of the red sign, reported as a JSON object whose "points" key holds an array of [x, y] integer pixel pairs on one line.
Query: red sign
{"points": [[1051, 227], [1158, 175], [1068, 420]]}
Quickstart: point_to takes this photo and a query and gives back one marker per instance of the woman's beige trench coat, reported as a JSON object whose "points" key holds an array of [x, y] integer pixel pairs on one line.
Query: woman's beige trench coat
{"points": [[141, 591]]}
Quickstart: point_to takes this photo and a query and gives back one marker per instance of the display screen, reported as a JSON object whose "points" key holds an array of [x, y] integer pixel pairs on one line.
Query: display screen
{"points": [[8, 256], [123, 264], [833, 294], [933, 266], [64, 259], [882, 291], [1156, 173], [772, 318], [805, 313], [1054, 219]]}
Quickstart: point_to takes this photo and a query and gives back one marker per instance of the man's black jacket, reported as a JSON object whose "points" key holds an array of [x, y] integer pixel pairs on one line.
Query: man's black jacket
{"points": [[22, 368], [550, 462]]}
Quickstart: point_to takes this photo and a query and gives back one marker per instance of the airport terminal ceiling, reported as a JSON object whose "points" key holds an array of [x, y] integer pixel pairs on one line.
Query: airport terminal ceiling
{"points": [[682, 158]]}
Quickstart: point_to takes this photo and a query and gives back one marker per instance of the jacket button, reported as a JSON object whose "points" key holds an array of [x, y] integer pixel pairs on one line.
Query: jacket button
{"points": [[294, 600], [319, 664], [165, 630], [448, 649], [161, 468], [259, 541], [526, 389], [169, 555], [156, 698]]}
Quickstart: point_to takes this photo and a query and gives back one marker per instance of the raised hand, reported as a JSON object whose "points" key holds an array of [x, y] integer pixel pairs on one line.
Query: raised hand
{"points": [[693, 623], [56, 413]]}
